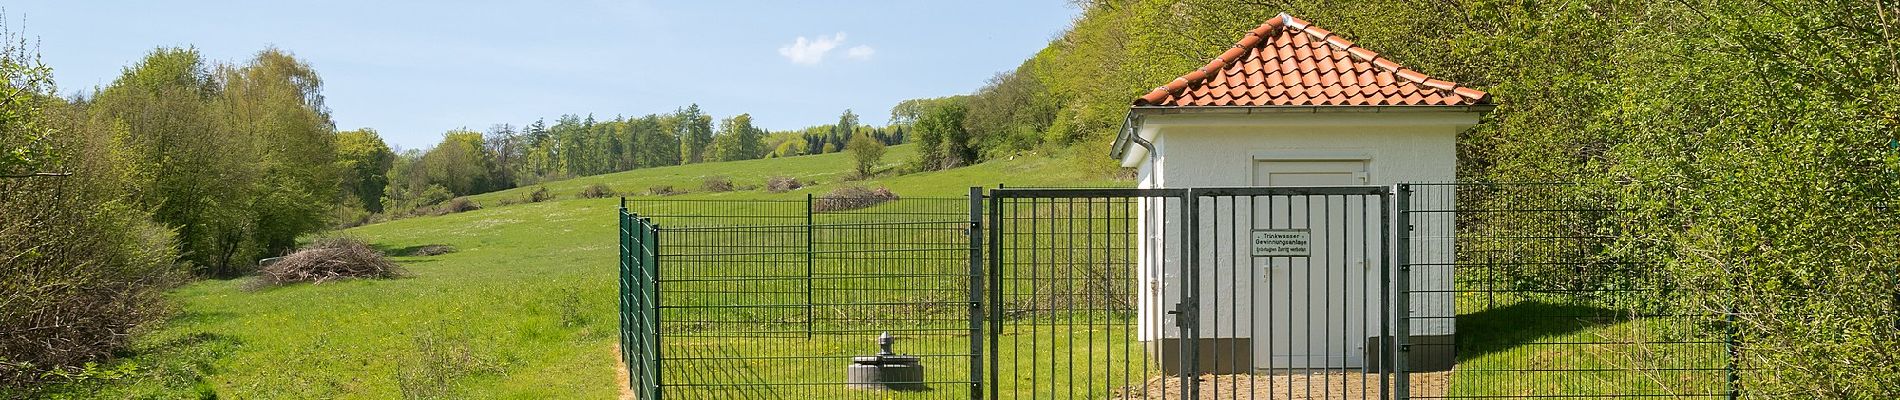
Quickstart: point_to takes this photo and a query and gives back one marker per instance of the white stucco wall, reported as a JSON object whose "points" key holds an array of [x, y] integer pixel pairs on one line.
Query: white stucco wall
{"points": [[1203, 150]]}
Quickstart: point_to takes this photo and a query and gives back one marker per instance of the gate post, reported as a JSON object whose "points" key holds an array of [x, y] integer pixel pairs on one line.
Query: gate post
{"points": [[811, 313], [1189, 311], [976, 292], [995, 291], [1402, 285]]}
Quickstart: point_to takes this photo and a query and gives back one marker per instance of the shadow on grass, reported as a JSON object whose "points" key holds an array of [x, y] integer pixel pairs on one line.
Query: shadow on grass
{"points": [[1503, 328], [421, 250]]}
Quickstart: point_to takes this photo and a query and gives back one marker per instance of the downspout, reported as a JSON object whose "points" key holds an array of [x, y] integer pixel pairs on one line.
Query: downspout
{"points": [[1131, 127]]}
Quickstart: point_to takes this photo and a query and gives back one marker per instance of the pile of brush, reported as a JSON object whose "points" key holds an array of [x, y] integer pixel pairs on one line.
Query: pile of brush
{"points": [[328, 259]]}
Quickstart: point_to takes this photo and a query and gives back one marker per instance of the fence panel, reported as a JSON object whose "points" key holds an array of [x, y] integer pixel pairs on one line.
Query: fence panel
{"points": [[639, 327], [774, 298], [1180, 293], [1536, 307]]}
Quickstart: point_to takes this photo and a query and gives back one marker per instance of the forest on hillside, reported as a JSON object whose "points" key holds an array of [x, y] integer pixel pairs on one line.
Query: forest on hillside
{"points": [[505, 156], [1754, 146]]}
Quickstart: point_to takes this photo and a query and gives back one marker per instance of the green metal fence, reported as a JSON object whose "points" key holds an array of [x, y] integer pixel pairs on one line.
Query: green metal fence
{"points": [[768, 299], [639, 312], [1468, 291]]}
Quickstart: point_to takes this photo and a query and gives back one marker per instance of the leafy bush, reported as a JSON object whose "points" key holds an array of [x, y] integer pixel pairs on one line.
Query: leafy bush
{"points": [[459, 204], [851, 198], [596, 191], [716, 184], [540, 194], [781, 184], [432, 196], [81, 266], [328, 259], [663, 190], [865, 153]]}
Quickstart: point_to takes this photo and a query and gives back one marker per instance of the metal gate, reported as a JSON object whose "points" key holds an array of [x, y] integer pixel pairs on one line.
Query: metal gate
{"points": [[1262, 292]]}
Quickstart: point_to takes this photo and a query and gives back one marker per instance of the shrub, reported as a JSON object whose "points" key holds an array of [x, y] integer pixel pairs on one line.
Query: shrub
{"points": [[596, 191], [540, 194], [781, 184], [866, 152], [459, 204], [434, 194], [852, 197], [716, 184], [430, 250], [327, 259], [663, 190]]}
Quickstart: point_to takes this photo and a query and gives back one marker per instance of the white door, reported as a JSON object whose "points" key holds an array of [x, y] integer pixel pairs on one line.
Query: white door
{"points": [[1315, 306]]}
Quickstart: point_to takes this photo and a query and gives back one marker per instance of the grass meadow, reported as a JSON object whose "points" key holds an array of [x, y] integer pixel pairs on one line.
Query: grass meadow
{"points": [[525, 309]]}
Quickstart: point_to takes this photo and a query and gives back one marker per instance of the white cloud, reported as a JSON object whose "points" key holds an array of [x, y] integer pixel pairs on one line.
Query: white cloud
{"points": [[860, 52], [811, 51]]}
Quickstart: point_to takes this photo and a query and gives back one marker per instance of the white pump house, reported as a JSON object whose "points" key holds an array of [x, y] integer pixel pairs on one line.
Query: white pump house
{"points": [[1293, 105]]}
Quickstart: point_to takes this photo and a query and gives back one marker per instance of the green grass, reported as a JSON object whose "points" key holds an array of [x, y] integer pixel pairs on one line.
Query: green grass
{"points": [[1523, 347], [525, 309]]}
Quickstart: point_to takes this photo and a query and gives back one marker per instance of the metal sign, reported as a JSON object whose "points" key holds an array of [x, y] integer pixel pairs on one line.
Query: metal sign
{"points": [[1282, 242]]}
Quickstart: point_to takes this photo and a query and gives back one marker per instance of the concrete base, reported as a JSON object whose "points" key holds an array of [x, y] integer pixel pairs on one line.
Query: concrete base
{"points": [[1430, 353], [1216, 355], [885, 373]]}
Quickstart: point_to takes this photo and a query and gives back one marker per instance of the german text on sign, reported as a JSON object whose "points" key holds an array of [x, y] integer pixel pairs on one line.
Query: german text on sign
{"points": [[1282, 243]]}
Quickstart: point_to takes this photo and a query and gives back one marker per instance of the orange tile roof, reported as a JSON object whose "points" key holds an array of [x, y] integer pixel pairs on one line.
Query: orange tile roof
{"points": [[1288, 62]]}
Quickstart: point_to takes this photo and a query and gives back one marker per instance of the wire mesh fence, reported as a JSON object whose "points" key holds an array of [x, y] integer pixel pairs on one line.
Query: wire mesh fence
{"points": [[1219, 293], [1542, 308], [768, 299], [1400, 292]]}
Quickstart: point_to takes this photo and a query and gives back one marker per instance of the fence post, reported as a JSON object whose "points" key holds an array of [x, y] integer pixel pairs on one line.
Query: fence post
{"points": [[811, 313], [976, 292], [659, 370], [1189, 312], [626, 277], [1402, 282], [1385, 295], [995, 289]]}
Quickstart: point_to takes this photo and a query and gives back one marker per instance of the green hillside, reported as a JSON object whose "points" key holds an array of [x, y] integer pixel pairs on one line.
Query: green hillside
{"points": [[524, 309]]}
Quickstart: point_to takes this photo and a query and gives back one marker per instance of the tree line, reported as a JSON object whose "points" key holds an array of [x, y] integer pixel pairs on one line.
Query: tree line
{"points": [[506, 156], [186, 167], [180, 166]]}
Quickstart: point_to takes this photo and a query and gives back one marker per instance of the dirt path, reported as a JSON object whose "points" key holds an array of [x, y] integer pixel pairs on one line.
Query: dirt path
{"points": [[620, 373], [1294, 386]]}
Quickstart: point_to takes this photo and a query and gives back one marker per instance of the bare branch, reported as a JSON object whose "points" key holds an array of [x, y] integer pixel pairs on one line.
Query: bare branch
{"points": [[37, 174]]}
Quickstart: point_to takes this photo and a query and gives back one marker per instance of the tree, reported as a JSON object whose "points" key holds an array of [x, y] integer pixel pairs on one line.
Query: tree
{"points": [[866, 151], [504, 147], [695, 132], [83, 267], [273, 105], [458, 163], [23, 140], [365, 160], [941, 139], [738, 139], [846, 127], [1010, 113], [659, 141]]}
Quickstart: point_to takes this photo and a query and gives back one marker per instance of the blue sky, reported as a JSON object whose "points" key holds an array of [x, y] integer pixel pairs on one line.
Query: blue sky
{"points": [[413, 70]]}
